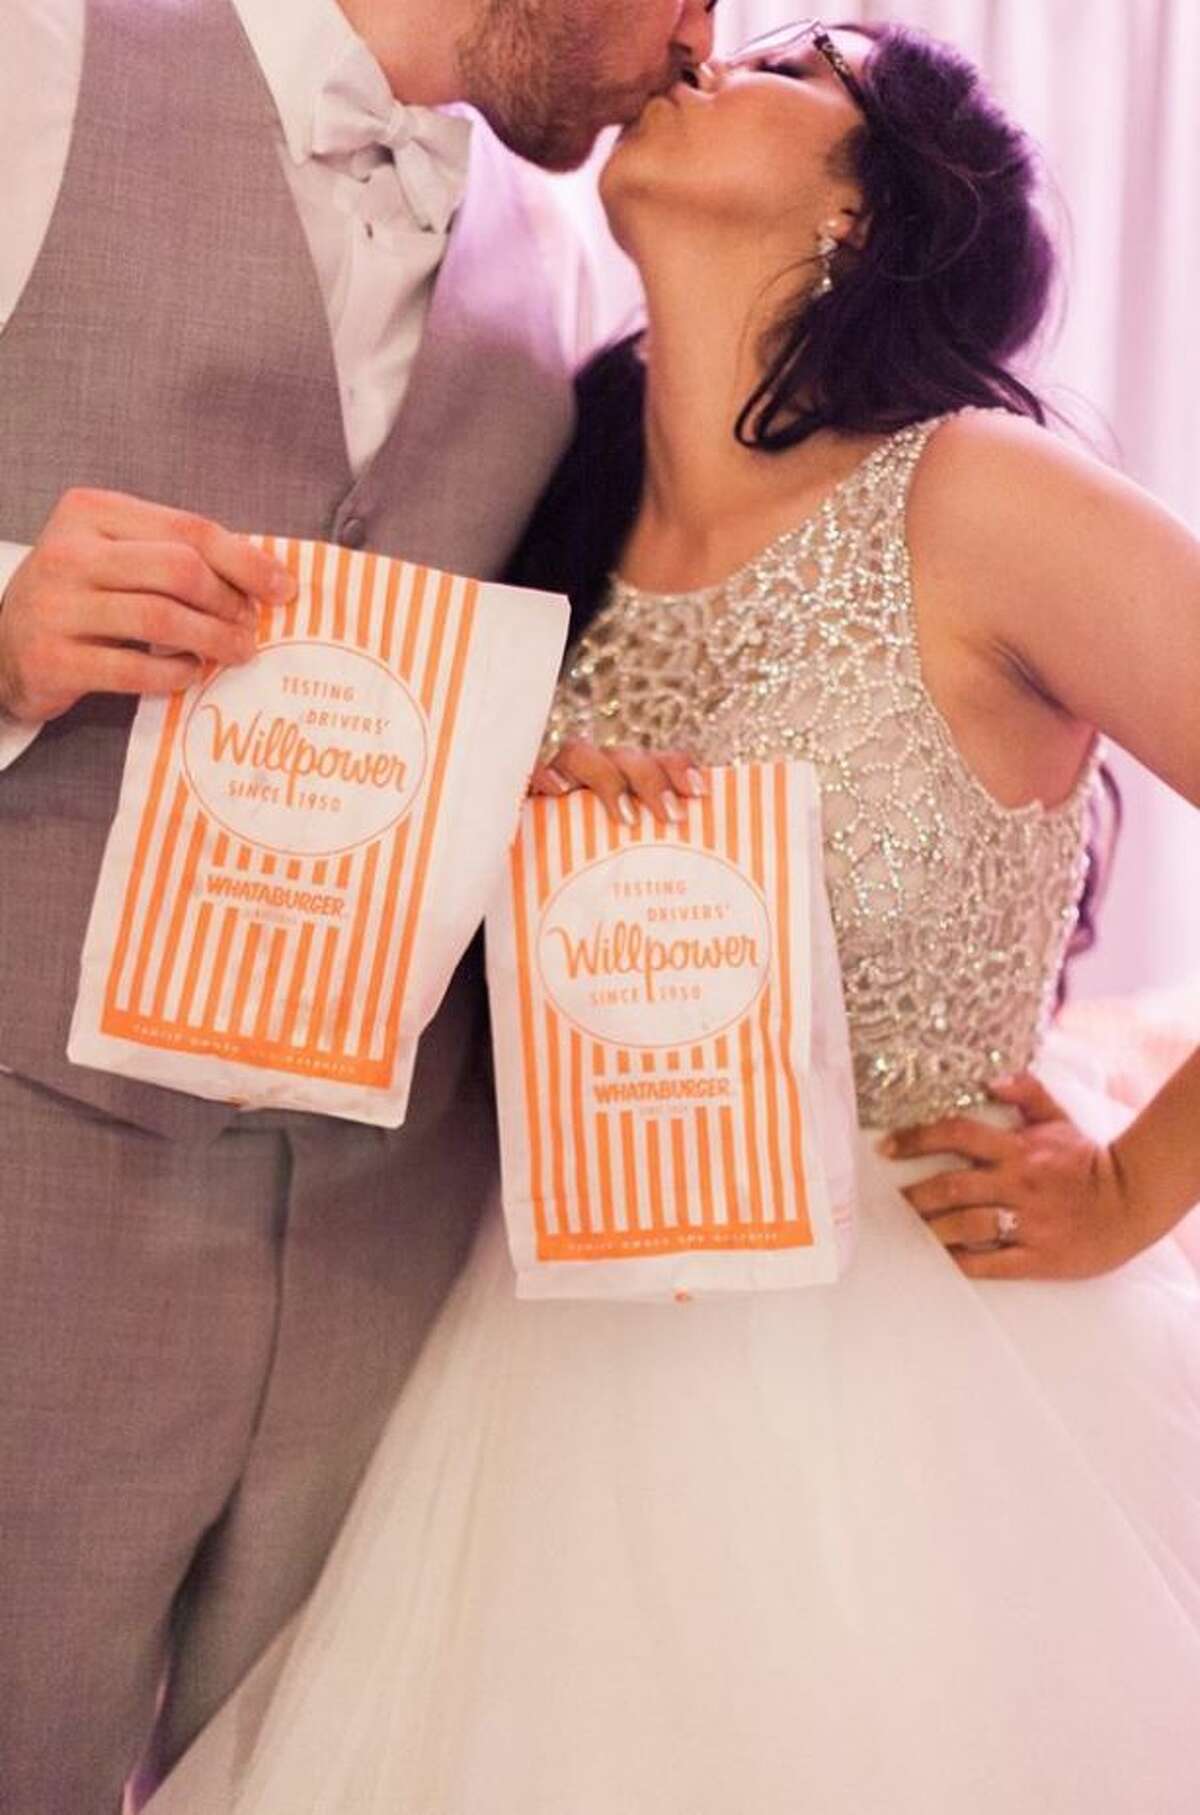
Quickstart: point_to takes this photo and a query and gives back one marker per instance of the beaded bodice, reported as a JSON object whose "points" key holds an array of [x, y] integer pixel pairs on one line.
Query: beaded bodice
{"points": [[952, 911]]}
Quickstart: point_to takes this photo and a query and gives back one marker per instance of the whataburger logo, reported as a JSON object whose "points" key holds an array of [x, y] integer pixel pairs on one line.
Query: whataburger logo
{"points": [[309, 749], [655, 946]]}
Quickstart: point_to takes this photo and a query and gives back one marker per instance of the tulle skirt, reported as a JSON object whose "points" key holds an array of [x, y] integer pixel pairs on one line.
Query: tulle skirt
{"points": [[906, 1545]]}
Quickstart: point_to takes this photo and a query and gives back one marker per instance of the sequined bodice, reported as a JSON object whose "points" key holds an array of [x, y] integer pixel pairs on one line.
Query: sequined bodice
{"points": [[952, 912]]}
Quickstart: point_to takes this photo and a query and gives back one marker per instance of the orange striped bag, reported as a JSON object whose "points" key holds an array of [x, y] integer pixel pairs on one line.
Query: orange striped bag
{"points": [[673, 1066], [305, 845]]}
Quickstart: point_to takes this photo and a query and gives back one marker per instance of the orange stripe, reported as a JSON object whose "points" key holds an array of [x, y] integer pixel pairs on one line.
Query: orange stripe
{"points": [[268, 866], [292, 563], [563, 815], [294, 871], [316, 595], [244, 857], [265, 618], [295, 995], [320, 874], [387, 923], [603, 1150], [658, 1217], [220, 854], [731, 816], [629, 1170], [216, 982], [558, 1166], [354, 959], [195, 960], [262, 1027], [750, 1118], [183, 901], [321, 998], [528, 1049], [708, 1214], [141, 850], [765, 1017], [154, 907], [541, 849], [679, 1172], [733, 1200], [366, 599], [341, 593], [441, 619], [245, 975], [434, 798], [783, 908], [541, 845], [345, 871], [608, 1209], [579, 1134], [395, 573], [589, 825], [408, 651]]}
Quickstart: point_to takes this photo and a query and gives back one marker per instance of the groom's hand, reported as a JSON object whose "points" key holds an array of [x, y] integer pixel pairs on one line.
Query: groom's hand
{"points": [[112, 579]]}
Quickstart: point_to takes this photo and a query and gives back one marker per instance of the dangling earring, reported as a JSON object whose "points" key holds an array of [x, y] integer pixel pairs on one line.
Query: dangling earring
{"points": [[827, 248]]}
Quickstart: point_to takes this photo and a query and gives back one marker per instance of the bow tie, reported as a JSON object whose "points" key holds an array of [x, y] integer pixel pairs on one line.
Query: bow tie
{"points": [[356, 111]]}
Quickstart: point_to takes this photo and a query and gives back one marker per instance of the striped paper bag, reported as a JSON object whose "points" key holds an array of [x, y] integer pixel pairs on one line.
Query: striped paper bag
{"points": [[673, 1066], [305, 845]]}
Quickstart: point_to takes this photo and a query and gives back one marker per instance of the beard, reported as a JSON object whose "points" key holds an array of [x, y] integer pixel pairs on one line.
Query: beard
{"points": [[532, 68]]}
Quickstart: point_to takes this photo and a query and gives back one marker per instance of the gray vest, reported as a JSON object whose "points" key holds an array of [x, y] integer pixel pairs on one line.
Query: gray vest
{"points": [[172, 342]]}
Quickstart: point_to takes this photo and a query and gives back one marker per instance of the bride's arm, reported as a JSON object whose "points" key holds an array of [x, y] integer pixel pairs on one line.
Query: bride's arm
{"points": [[1093, 593]]}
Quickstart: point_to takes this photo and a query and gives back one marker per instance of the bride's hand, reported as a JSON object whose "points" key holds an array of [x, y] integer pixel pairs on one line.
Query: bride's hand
{"points": [[620, 772], [1072, 1216]]}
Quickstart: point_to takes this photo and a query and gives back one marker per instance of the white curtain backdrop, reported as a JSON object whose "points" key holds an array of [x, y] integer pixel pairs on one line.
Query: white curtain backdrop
{"points": [[1109, 89]]}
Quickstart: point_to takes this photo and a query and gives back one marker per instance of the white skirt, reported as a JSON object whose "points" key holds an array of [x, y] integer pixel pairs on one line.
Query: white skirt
{"points": [[906, 1545]]}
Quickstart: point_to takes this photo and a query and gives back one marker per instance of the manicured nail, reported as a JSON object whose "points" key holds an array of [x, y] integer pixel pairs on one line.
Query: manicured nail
{"points": [[697, 784], [555, 780], [627, 810], [673, 807]]}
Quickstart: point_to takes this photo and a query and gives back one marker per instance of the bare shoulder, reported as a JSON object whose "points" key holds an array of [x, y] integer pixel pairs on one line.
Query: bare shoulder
{"points": [[986, 471], [997, 494]]}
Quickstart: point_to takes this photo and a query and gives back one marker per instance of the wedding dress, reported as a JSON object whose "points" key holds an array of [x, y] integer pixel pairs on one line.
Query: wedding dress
{"points": [[905, 1545]]}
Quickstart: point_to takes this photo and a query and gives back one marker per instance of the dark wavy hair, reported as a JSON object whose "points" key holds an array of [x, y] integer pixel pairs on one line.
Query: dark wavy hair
{"points": [[952, 281], [954, 274]]}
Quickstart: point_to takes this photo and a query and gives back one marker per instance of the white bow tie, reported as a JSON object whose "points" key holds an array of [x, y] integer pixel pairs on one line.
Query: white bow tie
{"points": [[356, 110]]}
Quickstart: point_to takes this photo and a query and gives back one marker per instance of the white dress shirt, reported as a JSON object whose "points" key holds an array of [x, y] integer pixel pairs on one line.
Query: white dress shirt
{"points": [[375, 263]]}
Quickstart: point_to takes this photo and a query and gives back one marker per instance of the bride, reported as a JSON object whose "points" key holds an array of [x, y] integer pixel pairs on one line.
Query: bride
{"points": [[926, 1542]]}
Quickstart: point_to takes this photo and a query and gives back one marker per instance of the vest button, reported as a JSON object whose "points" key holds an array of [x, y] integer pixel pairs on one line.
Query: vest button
{"points": [[353, 533]]}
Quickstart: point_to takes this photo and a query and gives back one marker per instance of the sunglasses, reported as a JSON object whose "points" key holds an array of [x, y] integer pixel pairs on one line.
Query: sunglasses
{"points": [[787, 41]]}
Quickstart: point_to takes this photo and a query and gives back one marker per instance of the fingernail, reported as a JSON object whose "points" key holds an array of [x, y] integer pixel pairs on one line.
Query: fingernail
{"points": [[1004, 1083], [627, 810], [247, 645], [283, 586], [673, 807], [696, 782], [554, 780], [889, 1146]]}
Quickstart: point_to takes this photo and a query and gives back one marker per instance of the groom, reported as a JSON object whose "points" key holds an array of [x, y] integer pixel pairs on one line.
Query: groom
{"points": [[243, 289]]}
